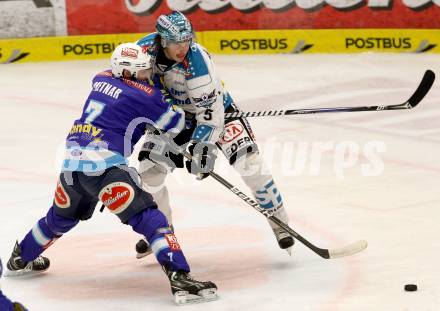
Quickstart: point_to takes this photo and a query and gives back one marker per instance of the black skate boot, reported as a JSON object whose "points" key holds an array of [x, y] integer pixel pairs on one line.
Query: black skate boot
{"points": [[143, 249], [16, 266], [285, 240], [186, 290]]}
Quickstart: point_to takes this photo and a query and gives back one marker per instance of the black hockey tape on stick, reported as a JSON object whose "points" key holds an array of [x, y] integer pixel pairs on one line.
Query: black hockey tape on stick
{"points": [[421, 91]]}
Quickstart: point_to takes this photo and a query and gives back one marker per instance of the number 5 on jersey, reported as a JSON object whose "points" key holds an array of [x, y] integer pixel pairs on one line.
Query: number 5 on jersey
{"points": [[208, 114]]}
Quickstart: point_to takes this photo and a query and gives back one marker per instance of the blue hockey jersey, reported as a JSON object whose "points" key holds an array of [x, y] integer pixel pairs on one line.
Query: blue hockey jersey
{"points": [[113, 120]]}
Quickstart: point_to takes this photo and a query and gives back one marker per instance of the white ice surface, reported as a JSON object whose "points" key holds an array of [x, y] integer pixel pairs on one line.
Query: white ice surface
{"points": [[397, 210]]}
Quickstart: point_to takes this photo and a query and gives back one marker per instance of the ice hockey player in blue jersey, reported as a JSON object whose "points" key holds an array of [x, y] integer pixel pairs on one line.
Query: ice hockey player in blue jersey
{"points": [[189, 75], [5, 303], [122, 102]]}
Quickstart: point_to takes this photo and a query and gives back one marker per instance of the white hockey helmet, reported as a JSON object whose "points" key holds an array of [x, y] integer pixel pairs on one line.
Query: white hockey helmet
{"points": [[131, 57]]}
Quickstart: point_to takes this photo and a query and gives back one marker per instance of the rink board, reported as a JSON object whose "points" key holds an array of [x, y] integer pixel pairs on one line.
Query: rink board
{"points": [[233, 42], [322, 41], [61, 48]]}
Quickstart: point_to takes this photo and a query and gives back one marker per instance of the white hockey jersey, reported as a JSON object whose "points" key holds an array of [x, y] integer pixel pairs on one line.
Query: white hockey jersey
{"points": [[195, 86]]}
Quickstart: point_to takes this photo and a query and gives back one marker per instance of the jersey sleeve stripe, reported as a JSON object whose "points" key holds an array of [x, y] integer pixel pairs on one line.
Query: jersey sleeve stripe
{"points": [[170, 120]]}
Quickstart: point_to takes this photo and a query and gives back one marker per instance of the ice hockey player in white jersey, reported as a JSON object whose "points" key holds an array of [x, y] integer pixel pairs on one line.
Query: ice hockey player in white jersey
{"points": [[189, 74]]}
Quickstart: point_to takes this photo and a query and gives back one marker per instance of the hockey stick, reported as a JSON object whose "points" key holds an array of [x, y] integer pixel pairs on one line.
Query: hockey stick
{"points": [[347, 250], [324, 253], [423, 89]]}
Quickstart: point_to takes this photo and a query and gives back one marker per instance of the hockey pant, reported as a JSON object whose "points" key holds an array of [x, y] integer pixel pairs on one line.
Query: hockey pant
{"points": [[122, 195]]}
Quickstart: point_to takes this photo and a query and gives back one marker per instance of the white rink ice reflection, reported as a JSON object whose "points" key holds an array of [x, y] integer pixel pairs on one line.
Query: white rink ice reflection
{"points": [[397, 209]]}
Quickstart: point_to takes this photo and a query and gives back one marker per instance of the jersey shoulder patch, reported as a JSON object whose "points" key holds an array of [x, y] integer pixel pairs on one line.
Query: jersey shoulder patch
{"points": [[150, 44], [148, 40]]}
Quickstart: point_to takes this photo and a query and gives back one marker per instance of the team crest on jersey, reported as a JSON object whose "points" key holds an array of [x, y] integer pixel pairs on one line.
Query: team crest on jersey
{"points": [[117, 196], [206, 100], [129, 52], [172, 242], [62, 199]]}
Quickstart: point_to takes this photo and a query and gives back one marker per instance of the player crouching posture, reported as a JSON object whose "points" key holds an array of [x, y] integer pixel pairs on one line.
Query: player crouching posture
{"points": [[123, 101]]}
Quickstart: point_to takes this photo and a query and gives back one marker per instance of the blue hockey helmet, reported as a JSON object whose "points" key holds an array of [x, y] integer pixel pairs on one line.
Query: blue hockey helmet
{"points": [[174, 27]]}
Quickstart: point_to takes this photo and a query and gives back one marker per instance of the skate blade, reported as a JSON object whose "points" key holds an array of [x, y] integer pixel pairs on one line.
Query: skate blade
{"points": [[182, 298], [142, 255], [21, 273]]}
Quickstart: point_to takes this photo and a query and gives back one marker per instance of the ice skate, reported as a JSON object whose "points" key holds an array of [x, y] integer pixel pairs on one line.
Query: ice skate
{"points": [[284, 239], [143, 249], [186, 290], [17, 267]]}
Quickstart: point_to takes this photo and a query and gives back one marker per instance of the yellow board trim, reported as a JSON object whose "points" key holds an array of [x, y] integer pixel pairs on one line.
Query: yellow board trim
{"points": [[289, 41], [62, 48], [322, 41]]}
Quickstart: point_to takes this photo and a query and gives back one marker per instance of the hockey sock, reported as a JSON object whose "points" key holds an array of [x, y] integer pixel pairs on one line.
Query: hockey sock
{"points": [[46, 231], [153, 225], [268, 196]]}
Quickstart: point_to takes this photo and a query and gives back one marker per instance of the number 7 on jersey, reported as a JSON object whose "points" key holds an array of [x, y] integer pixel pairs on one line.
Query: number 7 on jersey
{"points": [[94, 109]]}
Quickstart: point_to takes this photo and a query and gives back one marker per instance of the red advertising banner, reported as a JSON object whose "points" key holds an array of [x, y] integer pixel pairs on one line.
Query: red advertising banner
{"points": [[125, 16]]}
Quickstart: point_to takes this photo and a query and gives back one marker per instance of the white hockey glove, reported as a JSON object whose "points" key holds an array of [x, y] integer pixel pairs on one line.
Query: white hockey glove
{"points": [[203, 155], [157, 149]]}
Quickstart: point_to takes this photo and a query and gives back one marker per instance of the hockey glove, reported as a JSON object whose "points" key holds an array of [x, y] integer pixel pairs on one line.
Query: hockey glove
{"points": [[157, 149], [166, 158], [203, 159]]}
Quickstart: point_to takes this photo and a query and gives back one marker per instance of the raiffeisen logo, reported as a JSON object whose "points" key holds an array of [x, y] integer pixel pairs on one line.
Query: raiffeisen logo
{"points": [[15, 56], [143, 7]]}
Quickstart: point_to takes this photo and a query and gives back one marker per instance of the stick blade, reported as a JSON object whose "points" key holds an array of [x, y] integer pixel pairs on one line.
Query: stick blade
{"points": [[348, 250], [423, 89]]}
